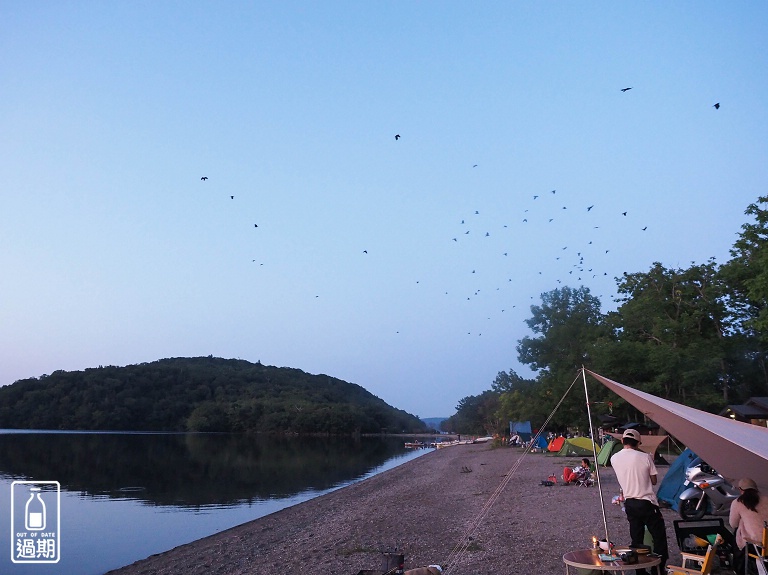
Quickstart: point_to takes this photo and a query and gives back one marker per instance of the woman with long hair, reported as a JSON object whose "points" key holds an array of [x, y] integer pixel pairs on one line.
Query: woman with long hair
{"points": [[748, 516]]}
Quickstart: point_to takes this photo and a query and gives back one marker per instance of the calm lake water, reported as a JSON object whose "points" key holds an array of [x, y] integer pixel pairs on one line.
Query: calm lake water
{"points": [[125, 496]]}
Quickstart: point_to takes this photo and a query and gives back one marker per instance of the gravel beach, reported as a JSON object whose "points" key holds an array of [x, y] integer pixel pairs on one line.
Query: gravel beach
{"points": [[422, 509]]}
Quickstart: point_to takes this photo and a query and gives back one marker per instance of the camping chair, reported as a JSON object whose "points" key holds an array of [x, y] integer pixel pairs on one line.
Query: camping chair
{"points": [[588, 481], [705, 563], [760, 554]]}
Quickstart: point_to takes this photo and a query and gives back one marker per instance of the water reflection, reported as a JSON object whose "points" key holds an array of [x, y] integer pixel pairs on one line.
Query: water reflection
{"points": [[117, 488], [191, 470]]}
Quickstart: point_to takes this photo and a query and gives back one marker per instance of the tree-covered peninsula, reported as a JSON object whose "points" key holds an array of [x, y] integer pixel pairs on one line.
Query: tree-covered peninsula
{"points": [[198, 394]]}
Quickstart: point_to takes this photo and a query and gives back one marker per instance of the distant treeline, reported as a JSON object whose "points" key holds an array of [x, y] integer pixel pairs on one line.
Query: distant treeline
{"points": [[199, 394]]}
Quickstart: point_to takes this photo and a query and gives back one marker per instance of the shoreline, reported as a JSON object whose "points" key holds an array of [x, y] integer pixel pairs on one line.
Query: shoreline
{"points": [[422, 508]]}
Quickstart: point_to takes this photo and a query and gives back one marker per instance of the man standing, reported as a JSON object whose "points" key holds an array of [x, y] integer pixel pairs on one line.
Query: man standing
{"points": [[637, 475]]}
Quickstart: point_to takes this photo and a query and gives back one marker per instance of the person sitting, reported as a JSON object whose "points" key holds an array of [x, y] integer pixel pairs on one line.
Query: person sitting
{"points": [[747, 516], [577, 474]]}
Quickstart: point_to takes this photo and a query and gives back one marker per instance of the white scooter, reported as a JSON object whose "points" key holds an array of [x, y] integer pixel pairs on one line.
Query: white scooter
{"points": [[709, 492]]}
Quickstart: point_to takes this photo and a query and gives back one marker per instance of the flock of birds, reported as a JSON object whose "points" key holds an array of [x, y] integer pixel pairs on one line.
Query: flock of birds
{"points": [[577, 263]]}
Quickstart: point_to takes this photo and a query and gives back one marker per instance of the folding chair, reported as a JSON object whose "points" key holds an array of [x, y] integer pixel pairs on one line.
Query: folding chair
{"points": [[705, 563], [759, 553]]}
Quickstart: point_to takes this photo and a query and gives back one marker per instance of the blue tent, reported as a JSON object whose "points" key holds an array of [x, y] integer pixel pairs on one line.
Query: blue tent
{"points": [[674, 481], [522, 428], [541, 442]]}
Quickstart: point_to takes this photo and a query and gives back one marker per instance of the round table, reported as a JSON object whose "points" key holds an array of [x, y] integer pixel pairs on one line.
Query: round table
{"points": [[586, 559]]}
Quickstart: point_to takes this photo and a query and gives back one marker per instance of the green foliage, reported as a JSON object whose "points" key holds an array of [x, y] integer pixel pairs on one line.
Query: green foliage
{"points": [[198, 394], [697, 336]]}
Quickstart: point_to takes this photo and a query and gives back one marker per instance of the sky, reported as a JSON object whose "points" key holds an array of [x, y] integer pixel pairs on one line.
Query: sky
{"points": [[320, 240]]}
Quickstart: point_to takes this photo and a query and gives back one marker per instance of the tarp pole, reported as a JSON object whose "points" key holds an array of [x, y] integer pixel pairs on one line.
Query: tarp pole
{"points": [[594, 452]]}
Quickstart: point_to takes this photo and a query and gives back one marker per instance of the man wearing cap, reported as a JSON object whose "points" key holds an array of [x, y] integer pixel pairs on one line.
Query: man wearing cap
{"points": [[637, 475]]}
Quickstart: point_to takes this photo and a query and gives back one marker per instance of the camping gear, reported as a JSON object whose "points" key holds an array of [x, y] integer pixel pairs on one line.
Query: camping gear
{"points": [[555, 445], [707, 492], [607, 450], [705, 563], [674, 482], [695, 536], [736, 449], [522, 429], [581, 446]]}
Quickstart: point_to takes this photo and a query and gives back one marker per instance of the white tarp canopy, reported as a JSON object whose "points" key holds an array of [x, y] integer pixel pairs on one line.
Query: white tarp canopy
{"points": [[734, 448]]}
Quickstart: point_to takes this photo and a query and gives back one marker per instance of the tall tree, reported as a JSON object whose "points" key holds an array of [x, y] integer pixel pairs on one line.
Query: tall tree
{"points": [[569, 324], [746, 275], [672, 329]]}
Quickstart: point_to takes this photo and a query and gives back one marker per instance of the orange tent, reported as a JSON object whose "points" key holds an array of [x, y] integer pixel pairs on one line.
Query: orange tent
{"points": [[556, 444]]}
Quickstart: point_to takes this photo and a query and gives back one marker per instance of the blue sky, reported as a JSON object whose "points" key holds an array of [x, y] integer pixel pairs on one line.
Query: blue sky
{"points": [[115, 252]]}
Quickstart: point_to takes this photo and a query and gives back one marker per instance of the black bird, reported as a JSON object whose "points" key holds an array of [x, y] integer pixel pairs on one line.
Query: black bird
{"points": [[625, 89], [645, 228], [487, 234], [590, 207], [553, 191], [365, 251], [716, 106], [477, 212], [231, 197], [397, 136], [204, 178], [474, 166], [623, 213], [534, 197], [455, 240], [255, 225]]}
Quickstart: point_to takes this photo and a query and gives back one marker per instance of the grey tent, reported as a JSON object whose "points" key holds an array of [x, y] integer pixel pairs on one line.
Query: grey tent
{"points": [[734, 448]]}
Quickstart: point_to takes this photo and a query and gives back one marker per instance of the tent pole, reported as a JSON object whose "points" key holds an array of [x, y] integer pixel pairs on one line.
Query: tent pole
{"points": [[594, 453]]}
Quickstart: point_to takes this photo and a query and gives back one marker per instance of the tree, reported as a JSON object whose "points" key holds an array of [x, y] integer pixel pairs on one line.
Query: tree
{"points": [[672, 333], [570, 325], [746, 276]]}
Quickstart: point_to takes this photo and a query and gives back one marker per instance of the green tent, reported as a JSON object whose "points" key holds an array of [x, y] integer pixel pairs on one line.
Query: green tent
{"points": [[576, 446], [606, 452]]}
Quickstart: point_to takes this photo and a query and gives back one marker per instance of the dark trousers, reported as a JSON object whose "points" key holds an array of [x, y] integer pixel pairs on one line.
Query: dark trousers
{"points": [[641, 514]]}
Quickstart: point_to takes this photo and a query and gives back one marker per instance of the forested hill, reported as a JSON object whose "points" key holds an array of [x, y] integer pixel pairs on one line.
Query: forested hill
{"points": [[198, 394]]}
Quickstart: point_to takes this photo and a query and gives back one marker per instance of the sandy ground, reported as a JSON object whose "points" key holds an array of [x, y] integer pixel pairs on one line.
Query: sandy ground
{"points": [[423, 509]]}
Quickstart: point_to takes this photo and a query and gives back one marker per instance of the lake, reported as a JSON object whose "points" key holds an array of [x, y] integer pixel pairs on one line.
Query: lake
{"points": [[125, 496]]}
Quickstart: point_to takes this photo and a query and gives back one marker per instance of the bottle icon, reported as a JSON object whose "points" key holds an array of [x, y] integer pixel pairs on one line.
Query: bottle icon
{"points": [[34, 512]]}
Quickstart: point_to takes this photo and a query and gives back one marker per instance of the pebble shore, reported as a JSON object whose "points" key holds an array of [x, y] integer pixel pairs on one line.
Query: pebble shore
{"points": [[422, 509]]}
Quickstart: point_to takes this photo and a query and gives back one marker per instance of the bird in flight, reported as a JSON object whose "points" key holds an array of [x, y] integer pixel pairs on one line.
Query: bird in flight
{"points": [[534, 197], [623, 213], [231, 197], [255, 225], [365, 251], [625, 89], [474, 166], [716, 106], [590, 207], [204, 178], [645, 228], [553, 191], [397, 136], [477, 212]]}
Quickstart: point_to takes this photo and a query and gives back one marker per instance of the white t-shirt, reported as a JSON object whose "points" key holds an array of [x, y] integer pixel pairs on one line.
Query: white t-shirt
{"points": [[633, 470]]}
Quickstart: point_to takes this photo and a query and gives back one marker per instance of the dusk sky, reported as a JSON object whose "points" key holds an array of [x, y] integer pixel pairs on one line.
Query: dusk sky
{"points": [[320, 241]]}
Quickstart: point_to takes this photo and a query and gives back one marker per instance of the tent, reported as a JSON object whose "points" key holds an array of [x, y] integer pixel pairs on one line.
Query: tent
{"points": [[607, 450], [674, 481], [734, 448], [648, 443], [541, 442], [522, 428], [555, 445], [577, 446]]}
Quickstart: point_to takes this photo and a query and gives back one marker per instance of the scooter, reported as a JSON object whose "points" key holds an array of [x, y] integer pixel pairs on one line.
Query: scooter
{"points": [[709, 492]]}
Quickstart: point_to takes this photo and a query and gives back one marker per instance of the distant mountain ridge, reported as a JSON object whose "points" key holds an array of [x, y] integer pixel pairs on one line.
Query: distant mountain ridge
{"points": [[433, 422], [199, 394]]}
